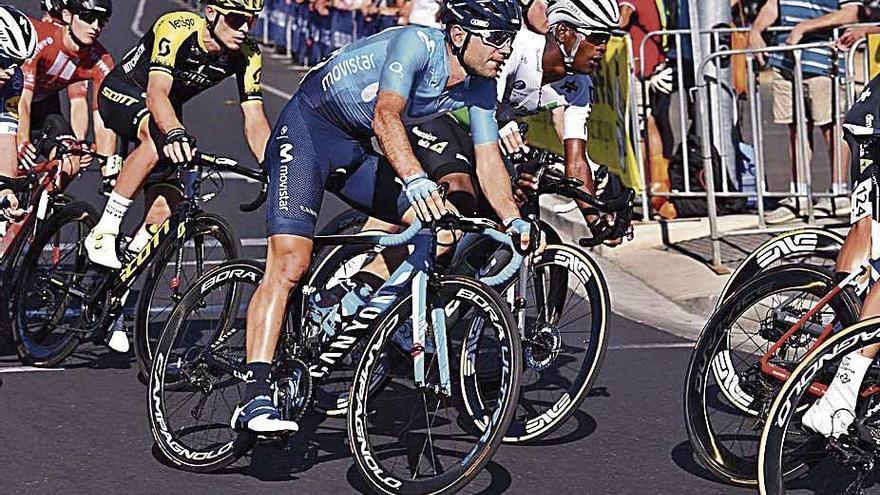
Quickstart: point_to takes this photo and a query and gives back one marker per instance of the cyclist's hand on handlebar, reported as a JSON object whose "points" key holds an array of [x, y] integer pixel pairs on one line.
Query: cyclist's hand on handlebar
{"points": [[510, 138], [9, 203], [27, 155], [524, 185], [529, 235], [424, 197], [179, 146]]}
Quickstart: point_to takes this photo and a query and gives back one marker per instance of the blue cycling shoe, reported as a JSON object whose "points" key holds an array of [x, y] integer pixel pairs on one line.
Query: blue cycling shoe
{"points": [[259, 415]]}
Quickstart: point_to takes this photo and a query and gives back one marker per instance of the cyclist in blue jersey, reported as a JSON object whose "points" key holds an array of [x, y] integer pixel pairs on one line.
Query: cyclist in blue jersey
{"points": [[18, 41], [372, 89]]}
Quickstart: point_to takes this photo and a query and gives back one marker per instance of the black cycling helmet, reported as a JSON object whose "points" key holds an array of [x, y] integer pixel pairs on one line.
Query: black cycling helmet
{"points": [[52, 7], [100, 7], [503, 15]]}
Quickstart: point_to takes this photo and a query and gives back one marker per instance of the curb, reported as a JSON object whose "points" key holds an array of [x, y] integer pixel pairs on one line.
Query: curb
{"points": [[631, 297]]}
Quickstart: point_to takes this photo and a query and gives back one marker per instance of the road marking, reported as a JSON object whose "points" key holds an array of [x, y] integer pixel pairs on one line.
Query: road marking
{"points": [[669, 345], [27, 369], [136, 29]]}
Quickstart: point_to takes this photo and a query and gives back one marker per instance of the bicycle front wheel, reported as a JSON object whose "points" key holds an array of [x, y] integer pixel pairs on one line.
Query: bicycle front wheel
{"points": [[209, 241], [792, 456], [564, 335], [51, 301], [415, 435]]}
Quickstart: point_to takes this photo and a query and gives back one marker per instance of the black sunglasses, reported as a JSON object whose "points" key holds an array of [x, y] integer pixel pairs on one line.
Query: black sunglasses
{"points": [[235, 20], [89, 17], [7, 64]]}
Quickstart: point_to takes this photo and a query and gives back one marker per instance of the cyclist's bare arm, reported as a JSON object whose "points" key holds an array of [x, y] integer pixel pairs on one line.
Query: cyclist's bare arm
{"points": [[24, 116], [256, 128], [79, 108], [158, 102], [389, 129], [499, 193]]}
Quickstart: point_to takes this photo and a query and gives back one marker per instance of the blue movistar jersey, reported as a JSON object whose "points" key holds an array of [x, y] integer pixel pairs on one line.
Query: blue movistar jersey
{"points": [[410, 61], [9, 96]]}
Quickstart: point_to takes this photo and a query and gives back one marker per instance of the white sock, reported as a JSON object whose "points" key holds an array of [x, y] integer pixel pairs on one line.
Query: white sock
{"points": [[832, 414], [114, 211], [140, 239]]}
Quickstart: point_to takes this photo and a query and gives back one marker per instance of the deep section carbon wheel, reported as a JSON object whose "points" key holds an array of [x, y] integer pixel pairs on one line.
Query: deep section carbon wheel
{"points": [[726, 395]]}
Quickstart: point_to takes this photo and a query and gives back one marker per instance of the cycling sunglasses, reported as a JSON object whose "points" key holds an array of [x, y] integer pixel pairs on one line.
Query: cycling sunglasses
{"points": [[89, 17], [8, 64], [496, 38], [596, 37], [235, 20]]}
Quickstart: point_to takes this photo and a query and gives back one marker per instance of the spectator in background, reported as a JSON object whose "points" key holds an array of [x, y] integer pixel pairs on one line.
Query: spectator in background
{"points": [[422, 13], [655, 83], [811, 21]]}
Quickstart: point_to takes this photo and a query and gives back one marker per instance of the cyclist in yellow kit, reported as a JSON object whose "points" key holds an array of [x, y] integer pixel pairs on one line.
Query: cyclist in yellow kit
{"points": [[180, 56]]}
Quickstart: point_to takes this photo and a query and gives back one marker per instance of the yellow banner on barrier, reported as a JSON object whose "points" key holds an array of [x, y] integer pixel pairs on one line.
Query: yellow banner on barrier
{"points": [[873, 55], [610, 142]]}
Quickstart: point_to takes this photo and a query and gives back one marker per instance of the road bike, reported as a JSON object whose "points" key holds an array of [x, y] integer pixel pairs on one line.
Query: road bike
{"points": [[40, 192], [560, 300], [753, 341], [409, 425], [62, 299]]}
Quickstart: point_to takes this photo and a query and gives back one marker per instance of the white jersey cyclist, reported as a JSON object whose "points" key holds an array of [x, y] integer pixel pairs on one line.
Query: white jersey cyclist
{"points": [[521, 92]]}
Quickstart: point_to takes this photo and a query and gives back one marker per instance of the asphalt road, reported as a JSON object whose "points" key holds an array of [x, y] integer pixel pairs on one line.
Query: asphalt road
{"points": [[84, 429]]}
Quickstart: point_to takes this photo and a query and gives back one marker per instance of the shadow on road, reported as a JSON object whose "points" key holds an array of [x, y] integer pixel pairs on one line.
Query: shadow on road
{"points": [[494, 478], [683, 456]]}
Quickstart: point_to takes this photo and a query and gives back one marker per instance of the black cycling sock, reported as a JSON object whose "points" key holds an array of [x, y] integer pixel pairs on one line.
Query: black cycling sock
{"points": [[257, 383], [371, 280]]}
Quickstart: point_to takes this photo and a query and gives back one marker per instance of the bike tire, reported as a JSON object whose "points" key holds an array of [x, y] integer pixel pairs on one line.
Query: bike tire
{"points": [[152, 312], [779, 465], [742, 392], [366, 437], [177, 357], [34, 350], [804, 245], [551, 357]]}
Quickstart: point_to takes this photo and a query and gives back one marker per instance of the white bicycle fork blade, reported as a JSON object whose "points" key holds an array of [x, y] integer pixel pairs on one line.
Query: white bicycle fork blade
{"points": [[419, 295]]}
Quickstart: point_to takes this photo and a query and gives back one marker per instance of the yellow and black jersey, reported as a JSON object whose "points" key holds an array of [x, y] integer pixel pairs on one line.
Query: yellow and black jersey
{"points": [[173, 46]]}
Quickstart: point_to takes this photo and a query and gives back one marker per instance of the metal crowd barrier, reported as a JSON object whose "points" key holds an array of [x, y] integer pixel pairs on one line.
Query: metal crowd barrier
{"points": [[803, 170]]}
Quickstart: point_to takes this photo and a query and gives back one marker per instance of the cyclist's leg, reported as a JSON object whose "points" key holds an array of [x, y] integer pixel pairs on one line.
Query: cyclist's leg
{"points": [[123, 110], [834, 411], [300, 152]]}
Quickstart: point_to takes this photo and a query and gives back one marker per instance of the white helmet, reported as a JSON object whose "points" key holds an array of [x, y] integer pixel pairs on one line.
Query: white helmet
{"points": [[18, 39], [585, 14]]}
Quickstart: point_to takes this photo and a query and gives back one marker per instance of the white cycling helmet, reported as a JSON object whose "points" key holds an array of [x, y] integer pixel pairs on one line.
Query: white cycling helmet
{"points": [[585, 14], [18, 39]]}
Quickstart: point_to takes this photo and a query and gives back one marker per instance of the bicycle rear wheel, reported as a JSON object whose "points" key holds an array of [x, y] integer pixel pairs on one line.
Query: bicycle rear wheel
{"points": [[195, 379], [209, 241], [416, 436], [726, 394], [51, 301]]}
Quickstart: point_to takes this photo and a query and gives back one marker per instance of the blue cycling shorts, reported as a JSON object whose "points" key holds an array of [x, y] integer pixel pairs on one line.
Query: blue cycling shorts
{"points": [[306, 155]]}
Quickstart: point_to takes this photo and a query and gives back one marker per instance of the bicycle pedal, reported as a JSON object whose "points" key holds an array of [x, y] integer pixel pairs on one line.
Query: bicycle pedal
{"points": [[279, 440]]}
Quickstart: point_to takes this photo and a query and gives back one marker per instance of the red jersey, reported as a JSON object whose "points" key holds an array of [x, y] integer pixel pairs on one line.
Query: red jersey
{"points": [[645, 18], [53, 67]]}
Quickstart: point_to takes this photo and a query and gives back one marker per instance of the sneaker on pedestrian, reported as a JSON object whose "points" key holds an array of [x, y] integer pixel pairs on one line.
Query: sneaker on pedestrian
{"points": [[785, 212], [259, 415], [833, 207]]}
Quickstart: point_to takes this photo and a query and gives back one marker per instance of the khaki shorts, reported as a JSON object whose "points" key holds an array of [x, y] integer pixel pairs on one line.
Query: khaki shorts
{"points": [[817, 99]]}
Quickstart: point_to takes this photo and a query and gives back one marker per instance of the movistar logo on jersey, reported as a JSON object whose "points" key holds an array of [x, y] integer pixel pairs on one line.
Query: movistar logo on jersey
{"points": [[346, 67]]}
